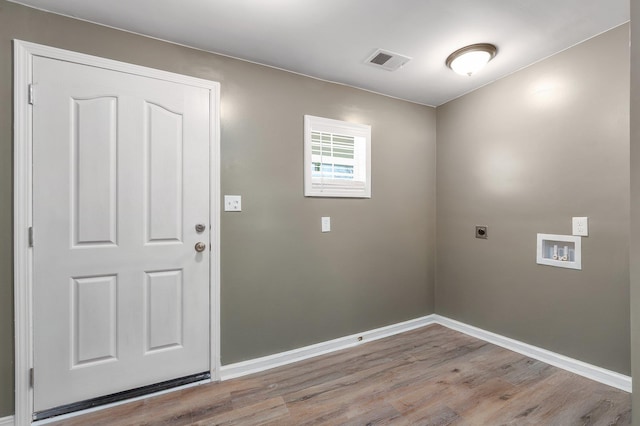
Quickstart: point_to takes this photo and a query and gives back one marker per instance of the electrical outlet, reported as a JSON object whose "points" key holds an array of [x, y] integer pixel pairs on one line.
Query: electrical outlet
{"points": [[232, 203], [580, 226], [481, 232]]}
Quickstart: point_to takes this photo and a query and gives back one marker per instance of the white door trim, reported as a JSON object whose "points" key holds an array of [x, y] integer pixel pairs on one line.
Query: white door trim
{"points": [[23, 261]]}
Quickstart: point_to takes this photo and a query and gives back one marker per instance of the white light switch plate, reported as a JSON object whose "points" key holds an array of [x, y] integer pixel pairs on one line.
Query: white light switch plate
{"points": [[580, 226], [232, 203], [326, 224]]}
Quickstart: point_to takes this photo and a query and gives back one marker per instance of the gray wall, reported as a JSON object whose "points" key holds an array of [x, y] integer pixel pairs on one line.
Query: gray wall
{"points": [[635, 209], [511, 156], [522, 156], [284, 284]]}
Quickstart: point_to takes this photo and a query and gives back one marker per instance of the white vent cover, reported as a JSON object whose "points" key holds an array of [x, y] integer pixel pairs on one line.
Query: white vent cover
{"points": [[387, 60]]}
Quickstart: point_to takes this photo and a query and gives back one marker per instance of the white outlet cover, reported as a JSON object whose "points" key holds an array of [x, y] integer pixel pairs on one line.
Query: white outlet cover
{"points": [[580, 226], [232, 203]]}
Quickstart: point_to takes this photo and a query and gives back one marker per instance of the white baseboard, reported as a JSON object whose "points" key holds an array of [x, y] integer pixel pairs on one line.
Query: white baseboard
{"points": [[607, 377], [581, 368], [271, 361], [6, 421], [244, 368]]}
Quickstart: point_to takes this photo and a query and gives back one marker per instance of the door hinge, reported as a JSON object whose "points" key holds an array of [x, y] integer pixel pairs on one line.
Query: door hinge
{"points": [[30, 91], [31, 236], [31, 377]]}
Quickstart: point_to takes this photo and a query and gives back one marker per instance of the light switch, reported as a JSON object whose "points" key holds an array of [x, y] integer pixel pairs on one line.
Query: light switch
{"points": [[326, 224], [232, 203], [580, 226]]}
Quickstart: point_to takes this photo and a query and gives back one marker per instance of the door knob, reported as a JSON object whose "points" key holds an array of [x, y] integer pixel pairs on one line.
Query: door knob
{"points": [[200, 246]]}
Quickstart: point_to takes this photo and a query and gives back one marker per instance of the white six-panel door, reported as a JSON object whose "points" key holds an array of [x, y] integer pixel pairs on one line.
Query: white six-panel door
{"points": [[120, 181]]}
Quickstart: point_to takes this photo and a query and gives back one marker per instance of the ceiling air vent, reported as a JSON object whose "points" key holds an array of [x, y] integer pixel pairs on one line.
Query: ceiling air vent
{"points": [[387, 60]]}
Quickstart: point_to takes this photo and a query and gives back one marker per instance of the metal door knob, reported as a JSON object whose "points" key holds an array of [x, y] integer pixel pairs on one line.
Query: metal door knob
{"points": [[200, 246]]}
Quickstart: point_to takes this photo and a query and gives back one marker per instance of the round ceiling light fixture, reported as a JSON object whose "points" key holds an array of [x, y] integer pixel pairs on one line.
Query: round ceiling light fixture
{"points": [[470, 59]]}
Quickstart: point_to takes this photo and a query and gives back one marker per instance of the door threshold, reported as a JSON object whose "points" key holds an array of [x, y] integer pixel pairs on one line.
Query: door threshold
{"points": [[121, 397]]}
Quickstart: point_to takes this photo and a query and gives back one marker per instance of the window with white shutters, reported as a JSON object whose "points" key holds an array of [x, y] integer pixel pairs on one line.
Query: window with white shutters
{"points": [[337, 158]]}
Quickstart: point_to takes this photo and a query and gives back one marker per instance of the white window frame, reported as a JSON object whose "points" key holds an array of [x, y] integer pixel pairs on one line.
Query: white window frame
{"points": [[360, 186]]}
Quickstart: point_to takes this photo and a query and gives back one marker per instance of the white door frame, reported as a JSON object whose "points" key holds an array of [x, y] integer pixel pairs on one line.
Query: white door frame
{"points": [[23, 255]]}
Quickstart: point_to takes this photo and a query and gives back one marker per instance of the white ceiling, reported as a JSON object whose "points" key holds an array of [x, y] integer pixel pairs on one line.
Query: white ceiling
{"points": [[331, 39]]}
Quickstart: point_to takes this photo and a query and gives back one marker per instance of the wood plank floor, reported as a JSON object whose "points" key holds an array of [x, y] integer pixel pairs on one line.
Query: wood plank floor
{"points": [[429, 376]]}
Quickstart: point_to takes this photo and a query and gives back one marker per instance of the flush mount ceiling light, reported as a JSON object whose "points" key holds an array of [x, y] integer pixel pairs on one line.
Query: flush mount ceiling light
{"points": [[470, 59]]}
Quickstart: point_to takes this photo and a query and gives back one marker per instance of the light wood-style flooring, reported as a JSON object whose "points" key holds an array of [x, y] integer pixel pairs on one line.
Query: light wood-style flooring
{"points": [[429, 376]]}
